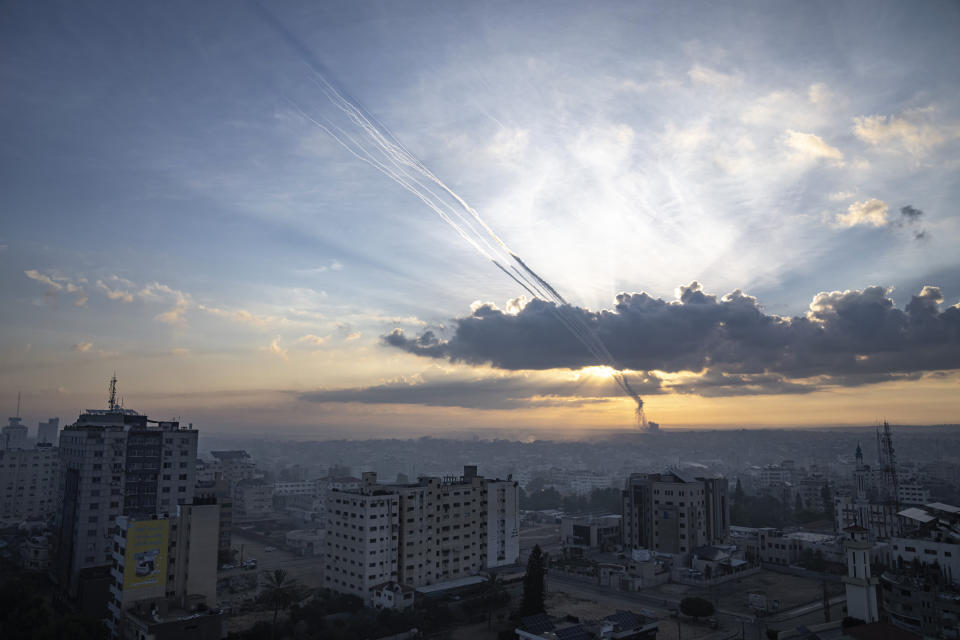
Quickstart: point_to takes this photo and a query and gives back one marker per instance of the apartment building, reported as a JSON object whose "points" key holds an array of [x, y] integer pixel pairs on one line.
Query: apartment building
{"points": [[113, 462], [669, 513], [362, 540], [28, 483], [434, 530], [163, 573]]}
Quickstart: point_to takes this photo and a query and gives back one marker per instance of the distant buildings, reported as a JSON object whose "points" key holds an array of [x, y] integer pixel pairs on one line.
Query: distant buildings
{"points": [[49, 432], [14, 435], [668, 513], [252, 500], [419, 534], [871, 507]]}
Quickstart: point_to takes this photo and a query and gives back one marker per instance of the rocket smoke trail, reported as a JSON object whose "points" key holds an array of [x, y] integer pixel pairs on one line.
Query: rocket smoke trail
{"points": [[372, 142]]}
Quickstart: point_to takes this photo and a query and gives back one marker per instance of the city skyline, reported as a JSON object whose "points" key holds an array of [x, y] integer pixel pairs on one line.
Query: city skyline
{"points": [[772, 188]]}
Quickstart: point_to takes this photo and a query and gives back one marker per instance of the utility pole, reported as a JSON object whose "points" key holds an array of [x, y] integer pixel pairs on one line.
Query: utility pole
{"points": [[826, 601]]}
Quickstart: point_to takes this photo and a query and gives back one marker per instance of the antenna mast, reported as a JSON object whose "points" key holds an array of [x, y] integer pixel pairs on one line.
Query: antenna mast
{"points": [[112, 401], [18, 404]]}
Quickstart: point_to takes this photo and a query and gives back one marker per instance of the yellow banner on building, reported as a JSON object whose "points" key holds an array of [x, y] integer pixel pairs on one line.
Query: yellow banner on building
{"points": [[145, 561]]}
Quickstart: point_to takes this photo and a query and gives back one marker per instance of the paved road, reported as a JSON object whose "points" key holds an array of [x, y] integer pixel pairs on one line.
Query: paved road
{"points": [[307, 569]]}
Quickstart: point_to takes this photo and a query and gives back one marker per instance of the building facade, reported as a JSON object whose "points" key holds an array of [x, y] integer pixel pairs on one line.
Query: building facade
{"points": [[28, 483], [113, 462], [49, 432], [420, 534], [14, 435], [668, 513], [166, 567]]}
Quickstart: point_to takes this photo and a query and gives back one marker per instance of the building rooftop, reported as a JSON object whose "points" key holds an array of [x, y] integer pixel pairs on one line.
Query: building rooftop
{"points": [[237, 454], [947, 508], [915, 513], [440, 587]]}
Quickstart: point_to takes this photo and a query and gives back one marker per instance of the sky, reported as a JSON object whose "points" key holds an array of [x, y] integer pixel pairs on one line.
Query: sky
{"points": [[752, 206]]}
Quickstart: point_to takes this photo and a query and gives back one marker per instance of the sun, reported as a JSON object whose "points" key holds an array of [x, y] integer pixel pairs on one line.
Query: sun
{"points": [[599, 371]]}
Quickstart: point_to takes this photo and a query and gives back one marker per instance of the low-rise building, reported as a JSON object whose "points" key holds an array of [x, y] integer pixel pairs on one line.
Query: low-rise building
{"points": [[393, 595], [591, 532]]}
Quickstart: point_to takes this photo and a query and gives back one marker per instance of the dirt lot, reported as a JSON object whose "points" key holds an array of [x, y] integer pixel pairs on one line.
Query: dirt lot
{"points": [[791, 591]]}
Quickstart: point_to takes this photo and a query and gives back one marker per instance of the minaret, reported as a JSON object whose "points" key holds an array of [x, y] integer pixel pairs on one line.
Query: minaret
{"points": [[860, 475], [860, 585]]}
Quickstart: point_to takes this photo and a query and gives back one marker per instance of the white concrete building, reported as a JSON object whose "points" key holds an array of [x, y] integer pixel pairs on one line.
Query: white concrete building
{"points": [[442, 529], [913, 494], [361, 541]]}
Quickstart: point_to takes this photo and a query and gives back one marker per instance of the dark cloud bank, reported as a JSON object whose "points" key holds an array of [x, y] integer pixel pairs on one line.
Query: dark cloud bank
{"points": [[847, 339], [847, 335]]}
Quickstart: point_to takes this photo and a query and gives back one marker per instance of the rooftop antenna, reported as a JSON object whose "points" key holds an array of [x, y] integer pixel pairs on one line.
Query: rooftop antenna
{"points": [[112, 402], [18, 404]]}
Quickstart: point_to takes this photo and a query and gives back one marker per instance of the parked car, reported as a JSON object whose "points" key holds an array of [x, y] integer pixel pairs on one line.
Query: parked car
{"points": [[269, 549]]}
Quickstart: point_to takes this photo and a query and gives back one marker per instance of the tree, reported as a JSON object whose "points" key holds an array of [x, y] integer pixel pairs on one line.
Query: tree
{"points": [[534, 584], [280, 591], [696, 607]]}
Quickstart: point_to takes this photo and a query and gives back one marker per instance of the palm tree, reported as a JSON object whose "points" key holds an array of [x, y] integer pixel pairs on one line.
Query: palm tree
{"points": [[281, 591]]}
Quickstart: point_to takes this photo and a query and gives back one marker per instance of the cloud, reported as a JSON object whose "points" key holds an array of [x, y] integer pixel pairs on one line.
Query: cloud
{"points": [[818, 93], [57, 284], [509, 144], [277, 350], [176, 315], [335, 265], [910, 216], [851, 333], [82, 347], [911, 132], [312, 339], [510, 391], [33, 274], [241, 316], [910, 213], [353, 336], [869, 212], [699, 74], [115, 294], [842, 195], [811, 146]]}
